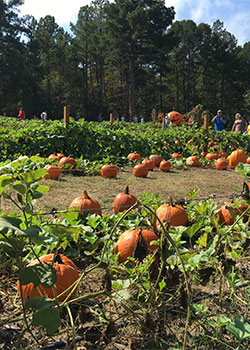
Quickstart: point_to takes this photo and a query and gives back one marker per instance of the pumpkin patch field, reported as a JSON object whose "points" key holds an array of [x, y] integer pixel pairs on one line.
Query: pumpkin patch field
{"points": [[138, 239]]}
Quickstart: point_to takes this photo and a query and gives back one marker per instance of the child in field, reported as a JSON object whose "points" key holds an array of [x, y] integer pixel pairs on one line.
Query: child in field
{"points": [[248, 128]]}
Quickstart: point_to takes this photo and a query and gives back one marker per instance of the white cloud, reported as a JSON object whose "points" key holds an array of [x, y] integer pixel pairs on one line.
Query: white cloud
{"points": [[238, 24], [63, 11]]}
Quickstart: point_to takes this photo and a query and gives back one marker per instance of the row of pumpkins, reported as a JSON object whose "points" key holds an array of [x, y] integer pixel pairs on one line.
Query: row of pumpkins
{"points": [[176, 215]]}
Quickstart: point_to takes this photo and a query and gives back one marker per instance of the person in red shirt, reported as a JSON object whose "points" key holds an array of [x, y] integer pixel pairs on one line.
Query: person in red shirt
{"points": [[21, 114]]}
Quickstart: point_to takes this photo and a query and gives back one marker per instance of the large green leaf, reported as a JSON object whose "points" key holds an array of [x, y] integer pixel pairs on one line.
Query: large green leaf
{"points": [[43, 273], [239, 328], [34, 176], [48, 317]]}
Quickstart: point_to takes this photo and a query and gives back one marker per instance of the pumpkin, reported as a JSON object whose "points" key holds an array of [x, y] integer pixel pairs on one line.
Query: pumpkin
{"points": [[85, 203], [175, 214], [165, 165], [123, 201], [109, 171], [156, 159], [223, 154], [227, 213], [56, 156], [134, 156], [176, 155], [175, 118], [192, 161], [140, 170], [66, 275], [67, 160], [203, 153], [53, 172], [236, 157], [211, 156], [248, 160], [221, 164], [128, 241], [149, 163]]}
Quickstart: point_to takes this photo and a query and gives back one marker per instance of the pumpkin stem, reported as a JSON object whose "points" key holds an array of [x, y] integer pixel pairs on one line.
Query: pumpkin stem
{"points": [[58, 259], [85, 195], [126, 191], [141, 249]]}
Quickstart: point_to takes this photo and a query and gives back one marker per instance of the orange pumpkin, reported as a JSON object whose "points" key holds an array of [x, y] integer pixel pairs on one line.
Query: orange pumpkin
{"points": [[176, 155], [140, 170], [156, 159], [123, 201], [165, 165], [175, 214], [134, 156], [236, 157], [221, 164], [109, 171], [85, 203], [223, 154], [248, 160], [212, 156], [227, 213], [53, 172], [128, 241], [56, 156], [67, 160], [203, 153], [192, 161], [149, 163], [175, 118], [66, 275]]}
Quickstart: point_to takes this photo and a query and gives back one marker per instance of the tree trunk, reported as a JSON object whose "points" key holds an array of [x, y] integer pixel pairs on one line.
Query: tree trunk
{"points": [[132, 104]]}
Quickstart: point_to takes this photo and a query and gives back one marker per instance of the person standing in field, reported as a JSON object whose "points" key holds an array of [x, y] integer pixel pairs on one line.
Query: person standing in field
{"points": [[248, 128], [21, 114], [44, 116], [240, 124], [219, 121]]}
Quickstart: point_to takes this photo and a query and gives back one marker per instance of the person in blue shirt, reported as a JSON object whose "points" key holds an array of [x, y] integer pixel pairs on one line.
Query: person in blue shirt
{"points": [[219, 121]]}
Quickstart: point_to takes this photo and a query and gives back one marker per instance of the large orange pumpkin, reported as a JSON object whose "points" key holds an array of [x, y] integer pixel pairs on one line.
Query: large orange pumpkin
{"points": [[212, 156], [192, 161], [67, 160], [175, 214], [165, 165], [156, 159], [140, 170], [175, 118], [66, 275], [85, 203], [109, 171], [236, 157], [123, 201], [128, 241], [53, 172]]}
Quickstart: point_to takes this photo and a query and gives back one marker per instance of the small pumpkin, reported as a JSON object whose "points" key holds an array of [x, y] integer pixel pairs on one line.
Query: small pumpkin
{"points": [[149, 163], [66, 275], [227, 214], [156, 159], [53, 172], [248, 160], [236, 157], [175, 118], [56, 156], [140, 170], [175, 214], [223, 154], [129, 240], [123, 201], [134, 156], [221, 164], [212, 156], [176, 155], [109, 171], [192, 161], [203, 153], [67, 160], [85, 203], [165, 165]]}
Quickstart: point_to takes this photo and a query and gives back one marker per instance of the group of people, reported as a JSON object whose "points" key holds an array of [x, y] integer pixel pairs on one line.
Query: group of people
{"points": [[22, 115], [240, 124]]}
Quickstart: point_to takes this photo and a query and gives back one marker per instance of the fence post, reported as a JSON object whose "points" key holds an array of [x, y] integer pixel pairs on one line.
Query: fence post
{"points": [[111, 119], [66, 113], [206, 122]]}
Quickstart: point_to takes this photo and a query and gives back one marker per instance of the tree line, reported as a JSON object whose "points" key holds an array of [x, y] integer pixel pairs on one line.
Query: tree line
{"points": [[126, 57]]}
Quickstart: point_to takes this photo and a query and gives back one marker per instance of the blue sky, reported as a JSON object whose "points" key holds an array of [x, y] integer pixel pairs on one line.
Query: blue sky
{"points": [[235, 14]]}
